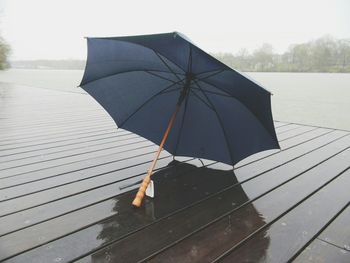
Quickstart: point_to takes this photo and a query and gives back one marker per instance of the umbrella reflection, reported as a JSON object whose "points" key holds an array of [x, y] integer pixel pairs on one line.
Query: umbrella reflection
{"points": [[178, 186]]}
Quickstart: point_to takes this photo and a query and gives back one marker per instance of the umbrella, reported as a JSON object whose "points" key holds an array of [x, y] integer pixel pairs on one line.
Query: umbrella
{"points": [[169, 91]]}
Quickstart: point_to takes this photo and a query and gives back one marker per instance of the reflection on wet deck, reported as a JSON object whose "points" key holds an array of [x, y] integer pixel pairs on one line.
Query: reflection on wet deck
{"points": [[67, 178]]}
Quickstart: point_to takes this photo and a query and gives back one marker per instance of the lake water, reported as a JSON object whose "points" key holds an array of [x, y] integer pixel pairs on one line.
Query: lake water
{"points": [[321, 99]]}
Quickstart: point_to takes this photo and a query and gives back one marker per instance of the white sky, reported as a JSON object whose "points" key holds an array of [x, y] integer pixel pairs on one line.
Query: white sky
{"points": [[54, 29]]}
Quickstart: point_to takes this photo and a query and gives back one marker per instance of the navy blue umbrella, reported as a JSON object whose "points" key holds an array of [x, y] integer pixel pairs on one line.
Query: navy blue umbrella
{"points": [[166, 89]]}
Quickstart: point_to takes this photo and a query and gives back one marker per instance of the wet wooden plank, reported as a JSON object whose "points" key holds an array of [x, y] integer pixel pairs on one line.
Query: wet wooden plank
{"points": [[38, 135], [54, 144], [70, 155], [168, 233], [12, 186], [218, 204], [54, 121], [303, 137], [288, 127], [291, 133], [30, 237], [321, 252], [124, 152], [47, 148], [280, 123], [58, 190], [282, 240], [20, 241], [50, 165], [26, 145], [57, 158], [65, 147], [45, 212], [338, 233], [14, 130]]}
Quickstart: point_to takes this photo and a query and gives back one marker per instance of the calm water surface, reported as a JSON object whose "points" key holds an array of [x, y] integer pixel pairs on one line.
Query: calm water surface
{"points": [[321, 99]]}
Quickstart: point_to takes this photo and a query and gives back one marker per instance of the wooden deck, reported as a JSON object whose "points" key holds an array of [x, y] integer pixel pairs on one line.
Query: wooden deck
{"points": [[64, 168]]}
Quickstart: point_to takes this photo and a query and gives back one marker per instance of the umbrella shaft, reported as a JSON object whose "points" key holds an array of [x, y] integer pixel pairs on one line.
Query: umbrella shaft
{"points": [[166, 134], [141, 192]]}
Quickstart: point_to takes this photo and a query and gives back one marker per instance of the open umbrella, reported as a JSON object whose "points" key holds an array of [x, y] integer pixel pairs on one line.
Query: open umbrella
{"points": [[167, 90]]}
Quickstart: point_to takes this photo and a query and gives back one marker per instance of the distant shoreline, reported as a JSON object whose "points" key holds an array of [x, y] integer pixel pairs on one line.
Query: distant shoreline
{"points": [[74, 68]]}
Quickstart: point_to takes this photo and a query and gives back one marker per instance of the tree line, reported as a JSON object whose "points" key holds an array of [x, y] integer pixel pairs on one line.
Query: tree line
{"points": [[4, 52], [325, 54]]}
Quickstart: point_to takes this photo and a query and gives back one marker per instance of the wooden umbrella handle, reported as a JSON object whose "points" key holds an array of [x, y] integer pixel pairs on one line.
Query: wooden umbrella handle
{"points": [[141, 192]]}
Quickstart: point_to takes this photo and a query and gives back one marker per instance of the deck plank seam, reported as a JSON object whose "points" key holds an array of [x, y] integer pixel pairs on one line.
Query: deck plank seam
{"points": [[78, 154], [31, 145], [319, 232], [61, 151], [85, 178], [63, 145], [41, 179], [73, 162], [330, 243], [316, 126], [69, 195]]}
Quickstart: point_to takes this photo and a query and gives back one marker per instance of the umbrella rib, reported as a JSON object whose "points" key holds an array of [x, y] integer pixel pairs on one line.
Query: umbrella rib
{"points": [[189, 64], [166, 64], [206, 103], [220, 122], [154, 74], [181, 127], [122, 72], [168, 91], [189, 68], [217, 93], [147, 101], [229, 95], [210, 74]]}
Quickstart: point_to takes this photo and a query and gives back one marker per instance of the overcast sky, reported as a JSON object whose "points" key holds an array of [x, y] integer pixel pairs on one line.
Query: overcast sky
{"points": [[54, 29]]}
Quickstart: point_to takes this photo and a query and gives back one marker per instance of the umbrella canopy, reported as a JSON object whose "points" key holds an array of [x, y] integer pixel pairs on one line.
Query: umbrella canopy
{"points": [[222, 115]]}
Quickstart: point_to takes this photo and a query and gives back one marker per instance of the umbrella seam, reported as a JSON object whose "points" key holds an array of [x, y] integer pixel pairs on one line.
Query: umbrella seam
{"points": [[143, 104], [199, 98], [189, 63], [235, 98], [221, 125], [189, 68], [216, 73]]}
